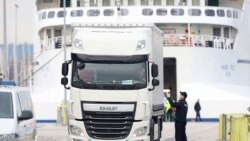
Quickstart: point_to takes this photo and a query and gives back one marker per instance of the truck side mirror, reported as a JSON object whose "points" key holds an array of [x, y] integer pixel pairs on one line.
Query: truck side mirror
{"points": [[65, 69], [154, 70], [155, 82], [64, 81], [81, 66], [25, 115]]}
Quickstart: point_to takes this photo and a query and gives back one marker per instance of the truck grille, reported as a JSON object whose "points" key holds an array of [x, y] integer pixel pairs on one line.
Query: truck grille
{"points": [[108, 125]]}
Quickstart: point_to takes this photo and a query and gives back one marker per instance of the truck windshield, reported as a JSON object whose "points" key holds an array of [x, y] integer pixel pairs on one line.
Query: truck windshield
{"points": [[109, 75], [6, 106]]}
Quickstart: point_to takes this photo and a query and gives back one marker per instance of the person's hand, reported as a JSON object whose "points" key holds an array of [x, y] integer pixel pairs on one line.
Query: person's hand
{"points": [[168, 95]]}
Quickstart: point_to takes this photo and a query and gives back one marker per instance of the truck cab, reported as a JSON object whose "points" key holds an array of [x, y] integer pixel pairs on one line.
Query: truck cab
{"points": [[116, 82], [16, 114]]}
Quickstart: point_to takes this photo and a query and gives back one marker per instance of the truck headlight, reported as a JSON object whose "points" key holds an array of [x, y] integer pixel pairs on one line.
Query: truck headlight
{"points": [[78, 43], [140, 132], [141, 45], [77, 131]]}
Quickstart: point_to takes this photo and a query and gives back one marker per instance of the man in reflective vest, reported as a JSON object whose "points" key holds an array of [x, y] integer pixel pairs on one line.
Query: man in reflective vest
{"points": [[167, 107]]}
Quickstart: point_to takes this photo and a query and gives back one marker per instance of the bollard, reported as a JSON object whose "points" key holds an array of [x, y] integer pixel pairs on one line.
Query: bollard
{"points": [[224, 127], [64, 115], [234, 127], [59, 117]]}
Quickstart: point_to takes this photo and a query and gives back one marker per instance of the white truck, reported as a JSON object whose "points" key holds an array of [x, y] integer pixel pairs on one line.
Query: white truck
{"points": [[116, 89]]}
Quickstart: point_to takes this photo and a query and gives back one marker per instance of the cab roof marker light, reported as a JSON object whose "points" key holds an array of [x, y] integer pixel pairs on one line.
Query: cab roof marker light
{"points": [[78, 43], [141, 45]]}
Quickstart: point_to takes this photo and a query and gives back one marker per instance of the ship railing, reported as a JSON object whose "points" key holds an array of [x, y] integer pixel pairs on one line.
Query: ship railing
{"points": [[185, 40], [170, 40], [54, 43]]}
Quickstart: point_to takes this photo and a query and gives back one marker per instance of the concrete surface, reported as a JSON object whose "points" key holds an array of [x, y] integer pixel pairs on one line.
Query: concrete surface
{"points": [[195, 132]]}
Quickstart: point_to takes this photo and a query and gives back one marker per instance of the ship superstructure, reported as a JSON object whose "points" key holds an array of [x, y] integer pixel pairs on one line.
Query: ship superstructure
{"points": [[206, 47]]}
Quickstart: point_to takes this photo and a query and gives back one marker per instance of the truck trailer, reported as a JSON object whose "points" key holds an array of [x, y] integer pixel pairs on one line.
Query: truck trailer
{"points": [[116, 82]]}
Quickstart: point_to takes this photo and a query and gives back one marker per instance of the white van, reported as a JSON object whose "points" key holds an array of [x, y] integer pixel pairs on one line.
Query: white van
{"points": [[17, 120]]}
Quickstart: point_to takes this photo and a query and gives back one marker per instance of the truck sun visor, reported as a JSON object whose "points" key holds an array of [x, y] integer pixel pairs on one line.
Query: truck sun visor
{"points": [[114, 59]]}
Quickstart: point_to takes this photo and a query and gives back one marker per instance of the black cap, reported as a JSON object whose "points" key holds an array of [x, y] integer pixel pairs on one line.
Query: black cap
{"points": [[184, 94]]}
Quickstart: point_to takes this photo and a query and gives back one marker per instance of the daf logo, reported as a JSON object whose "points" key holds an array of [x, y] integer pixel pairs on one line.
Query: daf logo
{"points": [[108, 108]]}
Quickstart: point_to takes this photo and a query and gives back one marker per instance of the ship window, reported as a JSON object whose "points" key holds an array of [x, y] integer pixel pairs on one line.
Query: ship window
{"points": [[194, 12], [177, 12], [108, 12], [51, 14], [106, 3], [67, 3], [131, 2], [119, 2], [229, 13], [124, 12], [221, 13], [235, 14], [93, 3], [44, 15], [144, 2], [157, 2], [209, 12], [76, 13], [161, 12], [93, 12], [47, 1], [61, 14], [147, 12]]}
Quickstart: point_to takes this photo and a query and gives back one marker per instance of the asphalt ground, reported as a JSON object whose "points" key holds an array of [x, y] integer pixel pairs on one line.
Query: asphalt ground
{"points": [[196, 131]]}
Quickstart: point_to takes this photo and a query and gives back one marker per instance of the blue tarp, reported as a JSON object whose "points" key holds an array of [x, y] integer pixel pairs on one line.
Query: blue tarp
{"points": [[8, 83]]}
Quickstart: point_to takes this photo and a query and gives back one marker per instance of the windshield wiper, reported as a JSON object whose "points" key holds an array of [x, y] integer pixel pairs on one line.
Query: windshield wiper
{"points": [[82, 84], [109, 86], [134, 86], [89, 85]]}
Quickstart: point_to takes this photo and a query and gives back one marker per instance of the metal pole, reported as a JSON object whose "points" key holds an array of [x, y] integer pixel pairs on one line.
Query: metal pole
{"points": [[15, 47], [189, 35], [24, 68], [5, 48], [64, 44]]}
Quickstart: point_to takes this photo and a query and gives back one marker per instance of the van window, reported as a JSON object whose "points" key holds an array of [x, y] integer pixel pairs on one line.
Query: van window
{"points": [[6, 105], [18, 107], [25, 101]]}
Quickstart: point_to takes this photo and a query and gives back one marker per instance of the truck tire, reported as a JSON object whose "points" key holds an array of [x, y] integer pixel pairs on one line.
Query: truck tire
{"points": [[152, 123]]}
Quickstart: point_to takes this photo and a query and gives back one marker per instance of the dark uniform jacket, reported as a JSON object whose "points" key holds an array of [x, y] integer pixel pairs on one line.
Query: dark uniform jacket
{"points": [[181, 110], [197, 106]]}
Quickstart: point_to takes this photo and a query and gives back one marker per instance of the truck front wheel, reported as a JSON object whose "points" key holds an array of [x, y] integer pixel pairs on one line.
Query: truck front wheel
{"points": [[155, 129]]}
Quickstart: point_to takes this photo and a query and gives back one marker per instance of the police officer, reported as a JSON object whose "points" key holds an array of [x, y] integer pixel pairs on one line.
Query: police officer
{"points": [[181, 116]]}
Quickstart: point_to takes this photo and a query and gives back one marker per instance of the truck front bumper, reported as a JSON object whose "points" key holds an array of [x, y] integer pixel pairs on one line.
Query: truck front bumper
{"points": [[130, 137]]}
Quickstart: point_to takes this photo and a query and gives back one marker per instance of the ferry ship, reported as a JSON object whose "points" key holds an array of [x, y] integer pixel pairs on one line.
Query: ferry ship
{"points": [[206, 48]]}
